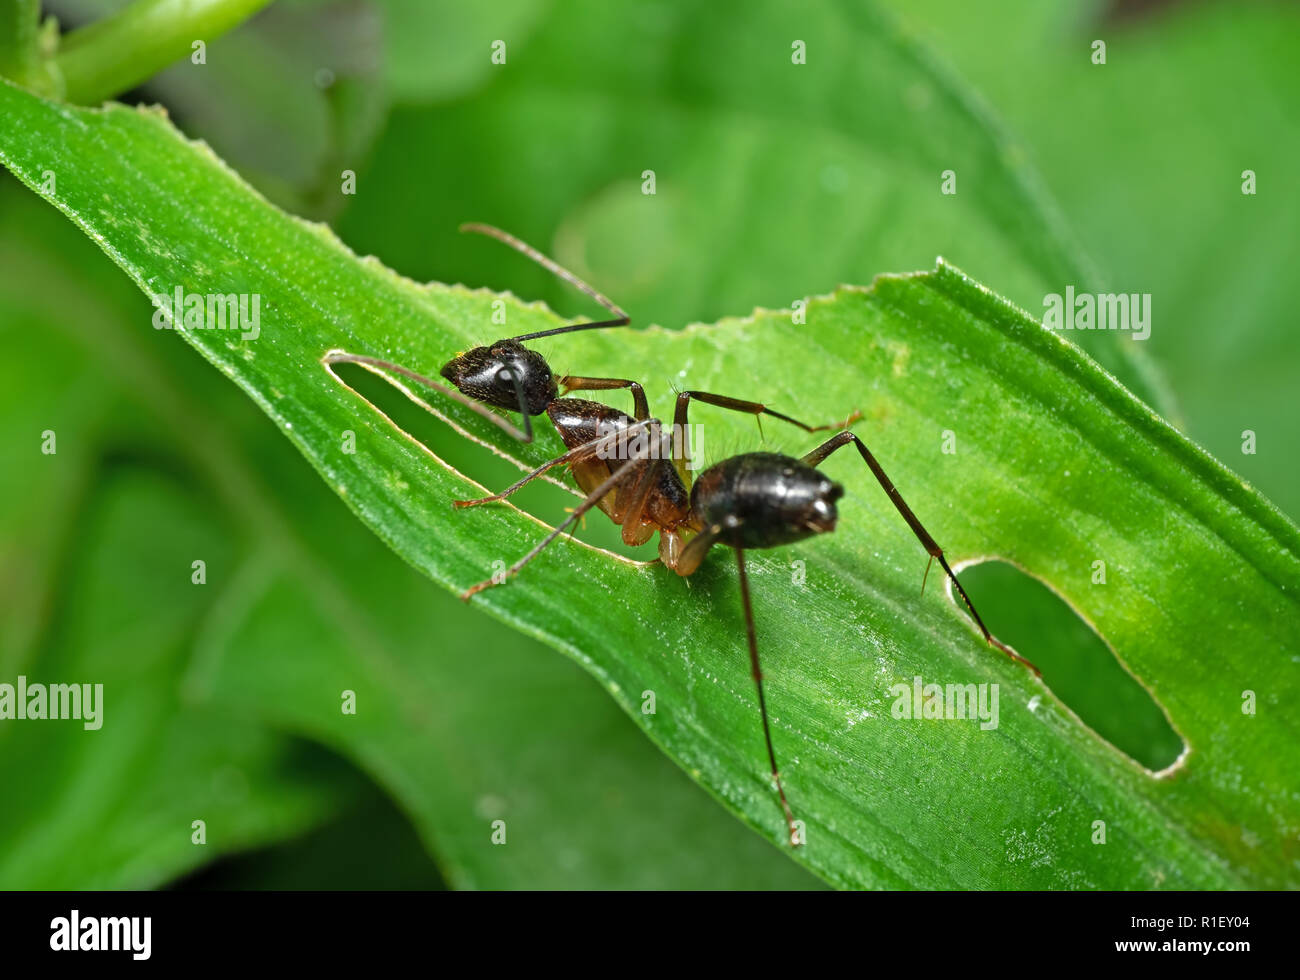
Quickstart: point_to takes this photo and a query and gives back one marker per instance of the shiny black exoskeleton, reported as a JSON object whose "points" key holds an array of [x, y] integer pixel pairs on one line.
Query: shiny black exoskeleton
{"points": [[504, 375], [763, 500]]}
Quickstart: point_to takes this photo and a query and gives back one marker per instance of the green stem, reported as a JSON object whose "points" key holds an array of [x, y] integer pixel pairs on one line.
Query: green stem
{"points": [[19, 25], [117, 53], [21, 57]]}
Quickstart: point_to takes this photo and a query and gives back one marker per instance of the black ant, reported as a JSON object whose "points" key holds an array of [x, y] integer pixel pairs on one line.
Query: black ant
{"points": [[751, 501], [508, 375]]}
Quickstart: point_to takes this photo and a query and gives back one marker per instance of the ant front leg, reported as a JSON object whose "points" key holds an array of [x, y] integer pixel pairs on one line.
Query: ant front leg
{"points": [[575, 455], [374, 363], [681, 449], [620, 476], [818, 456]]}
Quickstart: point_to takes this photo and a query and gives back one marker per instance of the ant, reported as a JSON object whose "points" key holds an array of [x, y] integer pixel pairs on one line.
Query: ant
{"points": [[510, 376], [751, 501]]}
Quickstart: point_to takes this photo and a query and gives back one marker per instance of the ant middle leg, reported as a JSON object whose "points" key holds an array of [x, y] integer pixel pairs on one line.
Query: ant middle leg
{"points": [[818, 456], [689, 560], [752, 636], [681, 448], [630, 507]]}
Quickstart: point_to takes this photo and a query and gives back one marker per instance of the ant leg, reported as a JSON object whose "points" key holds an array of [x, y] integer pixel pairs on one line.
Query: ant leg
{"points": [[641, 408], [621, 475], [629, 510], [758, 682], [750, 408], [818, 455], [681, 449], [578, 453], [524, 435], [550, 265], [697, 547]]}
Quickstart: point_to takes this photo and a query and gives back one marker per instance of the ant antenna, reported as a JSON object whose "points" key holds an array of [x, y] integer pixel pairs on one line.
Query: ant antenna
{"points": [[555, 268]]}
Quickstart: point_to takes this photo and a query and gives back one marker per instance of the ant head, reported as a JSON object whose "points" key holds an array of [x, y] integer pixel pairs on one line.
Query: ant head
{"points": [[498, 374]]}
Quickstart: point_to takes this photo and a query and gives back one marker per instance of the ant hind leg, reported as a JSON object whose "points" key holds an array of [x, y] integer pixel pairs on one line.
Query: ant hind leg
{"points": [[818, 456]]}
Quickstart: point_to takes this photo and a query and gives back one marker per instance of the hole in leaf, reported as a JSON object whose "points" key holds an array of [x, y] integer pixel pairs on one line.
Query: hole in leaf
{"points": [[543, 500], [1078, 665]]}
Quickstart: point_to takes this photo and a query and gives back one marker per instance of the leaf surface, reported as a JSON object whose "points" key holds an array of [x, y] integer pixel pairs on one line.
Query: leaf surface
{"points": [[1055, 467]]}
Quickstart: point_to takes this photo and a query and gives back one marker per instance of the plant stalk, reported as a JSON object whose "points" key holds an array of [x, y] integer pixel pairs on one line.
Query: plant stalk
{"points": [[117, 53]]}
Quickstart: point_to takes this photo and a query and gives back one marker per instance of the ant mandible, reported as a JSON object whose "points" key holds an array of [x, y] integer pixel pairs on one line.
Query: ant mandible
{"points": [[750, 501]]}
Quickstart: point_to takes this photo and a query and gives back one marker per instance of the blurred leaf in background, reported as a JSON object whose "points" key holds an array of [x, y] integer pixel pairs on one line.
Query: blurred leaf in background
{"points": [[122, 402], [773, 179], [1046, 435], [290, 98], [1146, 154], [769, 186]]}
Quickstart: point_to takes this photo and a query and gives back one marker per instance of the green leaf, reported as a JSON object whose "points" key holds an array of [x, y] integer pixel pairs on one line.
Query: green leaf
{"points": [[97, 541], [149, 765], [1223, 328], [773, 179], [82, 366], [1057, 467], [483, 732]]}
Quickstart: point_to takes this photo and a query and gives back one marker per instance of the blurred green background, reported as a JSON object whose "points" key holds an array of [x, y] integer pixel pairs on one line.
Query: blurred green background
{"points": [[766, 192]]}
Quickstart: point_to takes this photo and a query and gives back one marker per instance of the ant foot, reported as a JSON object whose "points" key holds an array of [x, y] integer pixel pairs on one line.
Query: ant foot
{"points": [[994, 641], [474, 590]]}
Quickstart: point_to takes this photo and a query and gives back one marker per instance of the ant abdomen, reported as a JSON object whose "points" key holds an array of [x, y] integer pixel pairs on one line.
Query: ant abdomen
{"points": [[762, 500]]}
